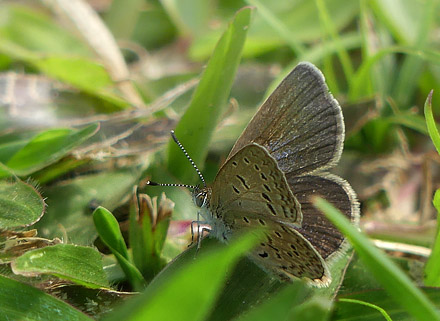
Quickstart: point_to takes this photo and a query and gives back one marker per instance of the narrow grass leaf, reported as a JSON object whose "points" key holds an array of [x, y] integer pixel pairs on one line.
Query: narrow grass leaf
{"points": [[373, 306], [385, 271], [328, 25], [432, 277], [412, 66], [209, 100], [430, 123]]}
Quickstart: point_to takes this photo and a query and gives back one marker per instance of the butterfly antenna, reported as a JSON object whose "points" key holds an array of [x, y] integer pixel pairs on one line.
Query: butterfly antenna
{"points": [[188, 157], [170, 185]]}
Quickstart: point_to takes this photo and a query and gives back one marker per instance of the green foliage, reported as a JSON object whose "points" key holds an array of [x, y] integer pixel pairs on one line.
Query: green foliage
{"points": [[385, 271], [46, 148], [194, 284], [24, 302], [79, 264], [76, 133], [110, 234], [20, 204], [196, 126]]}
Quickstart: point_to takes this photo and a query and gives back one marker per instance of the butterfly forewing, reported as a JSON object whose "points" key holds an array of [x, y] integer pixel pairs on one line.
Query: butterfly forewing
{"points": [[251, 182], [300, 124]]}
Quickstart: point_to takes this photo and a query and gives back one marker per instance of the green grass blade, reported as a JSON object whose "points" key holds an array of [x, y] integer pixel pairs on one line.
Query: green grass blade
{"points": [[385, 271], [199, 121], [373, 306], [412, 66], [331, 29], [430, 123], [432, 277]]}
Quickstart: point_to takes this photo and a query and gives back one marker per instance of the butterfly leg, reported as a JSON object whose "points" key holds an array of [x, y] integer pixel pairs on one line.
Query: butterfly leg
{"points": [[201, 228]]}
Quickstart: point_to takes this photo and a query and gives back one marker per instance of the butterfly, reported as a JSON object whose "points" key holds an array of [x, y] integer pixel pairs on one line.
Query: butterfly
{"points": [[276, 166]]}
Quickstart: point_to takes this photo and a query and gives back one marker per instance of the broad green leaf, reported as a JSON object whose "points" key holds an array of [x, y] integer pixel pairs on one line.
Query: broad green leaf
{"points": [[280, 305], [20, 204], [209, 100], [48, 147], [79, 264], [189, 292], [315, 308], [69, 203], [432, 267], [385, 271], [20, 301]]}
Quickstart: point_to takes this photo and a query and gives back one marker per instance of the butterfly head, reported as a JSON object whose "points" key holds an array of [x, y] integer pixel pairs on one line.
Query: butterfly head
{"points": [[201, 196]]}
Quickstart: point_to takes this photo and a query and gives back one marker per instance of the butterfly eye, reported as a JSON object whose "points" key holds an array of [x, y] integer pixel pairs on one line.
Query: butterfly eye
{"points": [[200, 199]]}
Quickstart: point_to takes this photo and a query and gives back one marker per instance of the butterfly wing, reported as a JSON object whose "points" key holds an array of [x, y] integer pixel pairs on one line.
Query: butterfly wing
{"points": [[315, 227], [250, 191], [300, 124], [252, 181], [287, 254]]}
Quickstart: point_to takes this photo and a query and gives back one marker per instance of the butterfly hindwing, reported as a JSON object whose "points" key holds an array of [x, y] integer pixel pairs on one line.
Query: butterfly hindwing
{"points": [[315, 227], [283, 251]]}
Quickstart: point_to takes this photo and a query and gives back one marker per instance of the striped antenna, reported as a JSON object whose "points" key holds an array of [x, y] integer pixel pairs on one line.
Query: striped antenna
{"points": [[190, 160], [170, 185], [188, 157]]}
